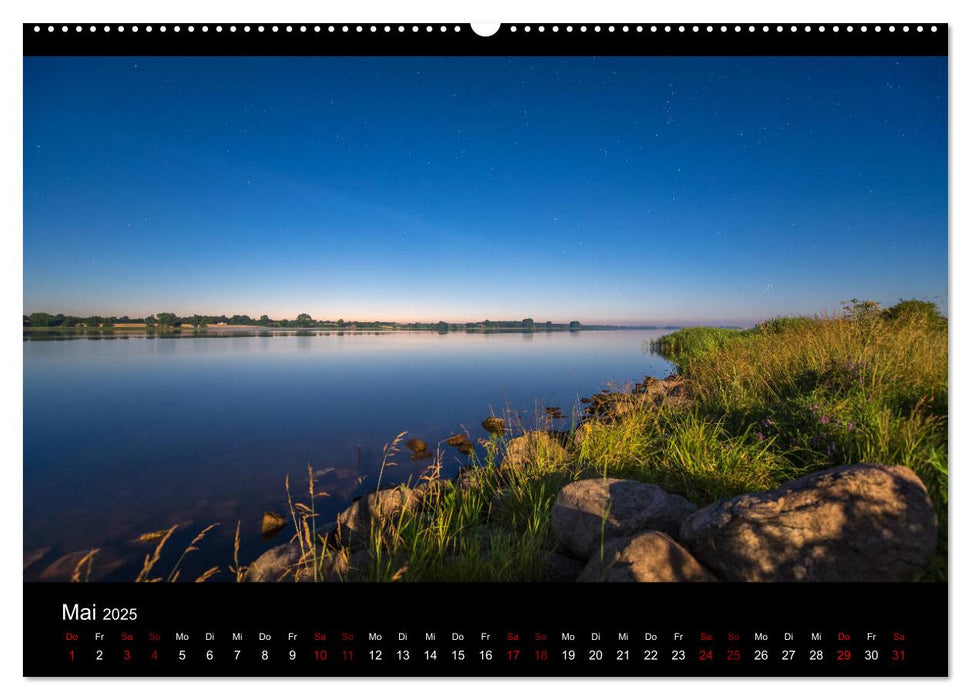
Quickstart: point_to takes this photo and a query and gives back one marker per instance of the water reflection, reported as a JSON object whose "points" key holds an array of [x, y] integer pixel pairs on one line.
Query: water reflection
{"points": [[122, 439]]}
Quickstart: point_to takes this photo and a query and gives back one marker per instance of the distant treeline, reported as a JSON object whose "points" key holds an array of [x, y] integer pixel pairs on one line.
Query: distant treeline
{"points": [[171, 320]]}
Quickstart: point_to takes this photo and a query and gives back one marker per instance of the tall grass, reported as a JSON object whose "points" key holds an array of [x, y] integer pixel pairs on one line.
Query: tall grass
{"points": [[697, 339], [490, 524], [864, 386]]}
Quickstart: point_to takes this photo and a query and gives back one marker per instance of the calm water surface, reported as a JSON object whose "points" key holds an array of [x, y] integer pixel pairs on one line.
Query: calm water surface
{"points": [[128, 435]]}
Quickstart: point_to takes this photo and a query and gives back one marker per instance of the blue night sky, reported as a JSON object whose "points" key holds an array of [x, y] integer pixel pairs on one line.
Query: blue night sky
{"points": [[654, 190]]}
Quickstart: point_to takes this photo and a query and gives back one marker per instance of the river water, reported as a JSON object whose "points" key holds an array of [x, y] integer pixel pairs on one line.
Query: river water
{"points": [[129, 434]]}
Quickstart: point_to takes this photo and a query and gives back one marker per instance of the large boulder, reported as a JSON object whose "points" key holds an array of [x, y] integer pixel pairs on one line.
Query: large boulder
{"points": [[589, 512], [648, 557], [287, 562], [862, 522], [562, 569], [355, 525], [334, 566], [427, 492], [276, 564]]}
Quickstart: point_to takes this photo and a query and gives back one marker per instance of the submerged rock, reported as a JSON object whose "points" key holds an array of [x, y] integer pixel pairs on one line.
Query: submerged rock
{"points": [[102, 563], [457, 440], [416, 445], [34, 556], [273, 522], [421, 456], [589, 512], [496, 426], [648, 557], [861, 522]]}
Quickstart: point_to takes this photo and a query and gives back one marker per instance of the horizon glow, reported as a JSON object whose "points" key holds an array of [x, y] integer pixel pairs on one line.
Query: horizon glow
{"points": [[654, 191]]}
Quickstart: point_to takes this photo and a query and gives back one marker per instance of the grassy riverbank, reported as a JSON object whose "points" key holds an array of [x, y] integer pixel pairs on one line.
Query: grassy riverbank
{"points": [[749, 410], [765, 405]]}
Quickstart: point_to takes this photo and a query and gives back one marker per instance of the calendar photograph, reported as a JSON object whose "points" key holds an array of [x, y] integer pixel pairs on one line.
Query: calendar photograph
{"points": [[547, 319]]}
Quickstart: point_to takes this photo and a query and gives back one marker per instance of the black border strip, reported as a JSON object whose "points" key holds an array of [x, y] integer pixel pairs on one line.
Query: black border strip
{"points": [[369, 39], [889, 612]]}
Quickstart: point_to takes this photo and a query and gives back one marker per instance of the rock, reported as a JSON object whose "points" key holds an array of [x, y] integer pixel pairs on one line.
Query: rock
{"points": [[102, 563], [356, 566], [34, 556], [496, 426], [276, 564], [590, 511], [354, 524], [339, 483], [537, 447], [862, 522], [416, 445], [286, 562], [421, 456], [325, 474], [675, 392], [457, 440], [337, 566], [429, 490], [582, 432], [648, 557], [610, 405], [621, 406], [562, 569], [272, 523]]}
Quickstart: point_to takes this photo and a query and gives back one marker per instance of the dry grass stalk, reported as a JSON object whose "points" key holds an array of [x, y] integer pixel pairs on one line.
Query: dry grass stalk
{"points": [[207, 574], [85, 563], [293, 516], [174, 574], [311, 532], [152, 560], [236, 569], [151, 536]]}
